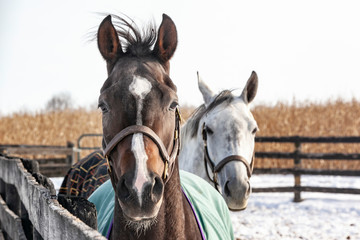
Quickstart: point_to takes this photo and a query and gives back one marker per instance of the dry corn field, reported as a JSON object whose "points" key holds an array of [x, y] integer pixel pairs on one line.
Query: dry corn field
{"points": [[336, 118]]}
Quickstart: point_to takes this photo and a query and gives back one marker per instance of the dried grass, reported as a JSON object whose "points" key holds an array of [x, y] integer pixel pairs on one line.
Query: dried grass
{"points": [[333, 118]]}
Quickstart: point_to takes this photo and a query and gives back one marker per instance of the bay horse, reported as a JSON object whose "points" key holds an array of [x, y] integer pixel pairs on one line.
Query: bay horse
{"points": [[141, 141], [219, 140]]}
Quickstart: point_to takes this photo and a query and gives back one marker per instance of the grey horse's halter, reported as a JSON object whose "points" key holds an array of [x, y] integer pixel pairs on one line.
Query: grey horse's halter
{"points": [[217, 168]]}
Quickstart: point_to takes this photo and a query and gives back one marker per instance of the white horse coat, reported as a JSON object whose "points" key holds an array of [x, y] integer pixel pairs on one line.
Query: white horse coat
{"points": [[230, 128]]}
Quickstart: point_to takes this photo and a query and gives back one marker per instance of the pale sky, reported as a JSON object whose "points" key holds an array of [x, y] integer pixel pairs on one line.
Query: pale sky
{"points": [[307, 50]]}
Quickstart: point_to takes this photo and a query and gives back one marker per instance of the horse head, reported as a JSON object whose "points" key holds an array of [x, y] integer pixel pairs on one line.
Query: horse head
{"points": [[230, 130], [139, 108], [221, 135]]}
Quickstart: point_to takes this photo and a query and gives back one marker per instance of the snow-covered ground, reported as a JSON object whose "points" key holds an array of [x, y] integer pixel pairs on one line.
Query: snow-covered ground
{"points": [[318, 216]]}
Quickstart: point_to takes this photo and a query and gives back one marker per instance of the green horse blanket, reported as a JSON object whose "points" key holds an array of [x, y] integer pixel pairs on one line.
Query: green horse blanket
{"points": [[209, 207]]}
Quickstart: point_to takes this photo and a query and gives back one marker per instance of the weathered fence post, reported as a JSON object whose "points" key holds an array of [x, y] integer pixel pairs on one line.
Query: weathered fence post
{"points": [[297, 176], [79, 147], [2, 194], [12, 198], [70, 158], [26, 223], [2, 188], [36, 235], [28, 205]]}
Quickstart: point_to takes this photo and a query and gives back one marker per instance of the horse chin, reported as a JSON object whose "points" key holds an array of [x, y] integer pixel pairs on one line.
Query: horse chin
{"points": [[139, 226], [139, 217], [237, 207], [234, 205]]}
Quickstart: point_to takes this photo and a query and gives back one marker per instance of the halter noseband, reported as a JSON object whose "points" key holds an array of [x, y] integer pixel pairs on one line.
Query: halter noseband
{"points": [[168, 160], [217, 168]]}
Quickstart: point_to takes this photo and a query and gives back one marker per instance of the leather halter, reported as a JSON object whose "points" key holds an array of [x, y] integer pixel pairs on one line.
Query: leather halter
{"points": [[217, 168], [168, 160]]}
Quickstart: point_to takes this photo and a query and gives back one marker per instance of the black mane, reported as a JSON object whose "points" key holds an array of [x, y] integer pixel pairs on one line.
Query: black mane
{"points": [[225, 96]]}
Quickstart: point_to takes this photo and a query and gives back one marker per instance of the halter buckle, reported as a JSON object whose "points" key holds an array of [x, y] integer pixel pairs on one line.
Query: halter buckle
{"points": [[107, 161], [166, 167], [176, 134], [178, 114], [215, 178]]}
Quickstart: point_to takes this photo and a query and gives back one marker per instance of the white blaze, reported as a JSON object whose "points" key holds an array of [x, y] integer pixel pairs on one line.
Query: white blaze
{"points": [[138, 148], [139, 88]]}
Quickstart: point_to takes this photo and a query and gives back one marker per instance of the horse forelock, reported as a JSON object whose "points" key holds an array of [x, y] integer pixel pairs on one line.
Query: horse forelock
{"points": [[137, 42]]}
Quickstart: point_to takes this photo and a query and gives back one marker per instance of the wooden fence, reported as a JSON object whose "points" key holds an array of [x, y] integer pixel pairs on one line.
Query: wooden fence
{"points": [[54, 161], [297, 156], [297, 170], [72, 154], [29, 210], [60, 160]]}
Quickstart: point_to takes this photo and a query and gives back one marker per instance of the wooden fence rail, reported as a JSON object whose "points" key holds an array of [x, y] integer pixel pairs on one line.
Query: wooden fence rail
{"points": [[28, 210], [62, 157], [299, 139], [297, 171]]}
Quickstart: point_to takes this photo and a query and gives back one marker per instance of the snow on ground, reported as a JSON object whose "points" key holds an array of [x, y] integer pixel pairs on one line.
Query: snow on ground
{"points": [[275, 215], [318, 216]]}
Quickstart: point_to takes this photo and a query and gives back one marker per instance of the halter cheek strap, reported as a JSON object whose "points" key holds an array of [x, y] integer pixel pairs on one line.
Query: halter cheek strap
{"points": [[217, 168]]}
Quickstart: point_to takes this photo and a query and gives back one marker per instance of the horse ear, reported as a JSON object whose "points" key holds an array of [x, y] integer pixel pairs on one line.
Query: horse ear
{"points": [[166, 42], [108, 41], [205, 90], [249, 92]]}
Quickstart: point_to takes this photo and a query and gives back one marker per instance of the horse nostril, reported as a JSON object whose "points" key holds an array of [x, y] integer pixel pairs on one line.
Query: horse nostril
{"points": [[248, 191], [227, 190], [235, 188], [124, 192], [157, 189]]}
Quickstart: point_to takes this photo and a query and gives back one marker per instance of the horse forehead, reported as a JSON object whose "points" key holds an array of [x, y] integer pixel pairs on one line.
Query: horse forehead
{"points": [[156, 69], [140, 87], [236, 113]]}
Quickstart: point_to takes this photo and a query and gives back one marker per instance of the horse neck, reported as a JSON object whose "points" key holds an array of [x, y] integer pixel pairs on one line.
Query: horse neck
{"points": [[175, 219], [191, 157]]}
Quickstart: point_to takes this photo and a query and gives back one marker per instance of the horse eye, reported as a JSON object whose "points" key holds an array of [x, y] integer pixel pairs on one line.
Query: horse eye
{"points": [[209, 130], [103, 107], [254, 131], [173, 106]]}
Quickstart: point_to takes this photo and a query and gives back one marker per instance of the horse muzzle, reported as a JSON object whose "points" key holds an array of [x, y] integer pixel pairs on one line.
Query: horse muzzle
{"points": [[142, 205], [236, 193]]}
